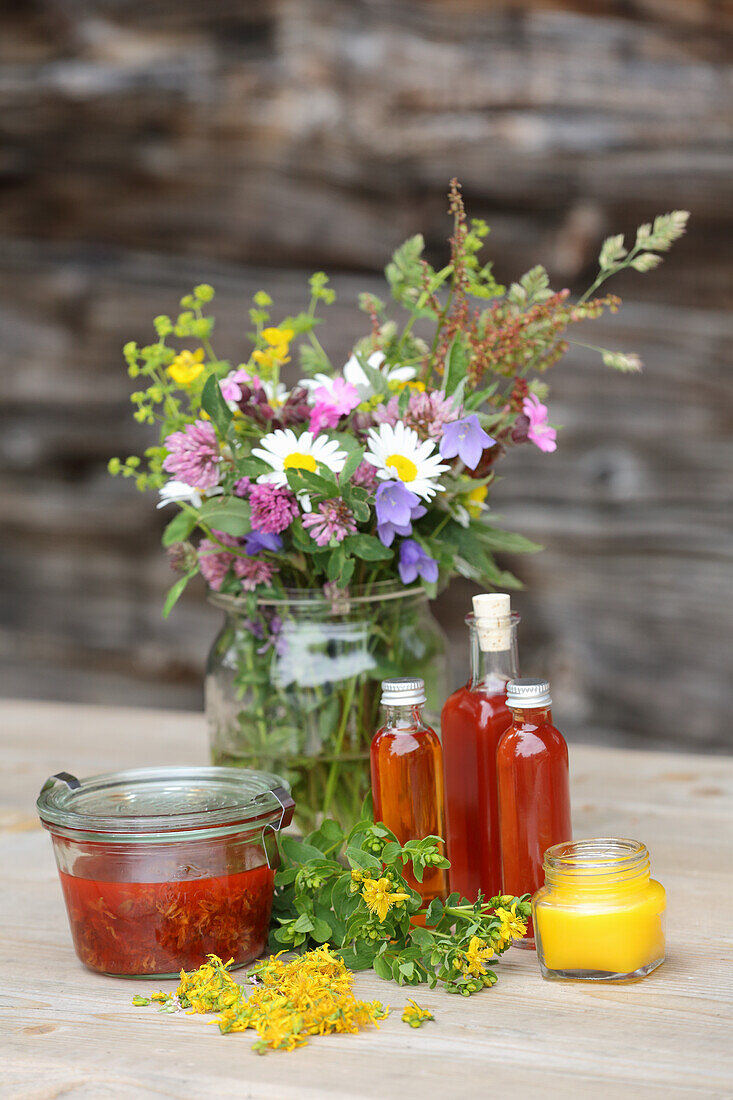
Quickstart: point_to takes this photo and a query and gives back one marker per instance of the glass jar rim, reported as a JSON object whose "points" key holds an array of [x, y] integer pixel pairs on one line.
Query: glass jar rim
{"points": [[597, 856], [378, 592], [160, 802]]}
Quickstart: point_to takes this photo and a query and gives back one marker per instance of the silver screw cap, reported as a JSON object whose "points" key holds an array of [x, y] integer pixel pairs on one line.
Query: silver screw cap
{"points": [[528, 692], [403, 691]]}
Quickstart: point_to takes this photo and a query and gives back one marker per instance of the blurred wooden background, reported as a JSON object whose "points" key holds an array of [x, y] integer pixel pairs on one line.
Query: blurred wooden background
{"points": [[151, 144]]}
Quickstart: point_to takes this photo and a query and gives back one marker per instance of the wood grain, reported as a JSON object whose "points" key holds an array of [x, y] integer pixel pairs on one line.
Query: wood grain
{"points": [[67, 1032]]}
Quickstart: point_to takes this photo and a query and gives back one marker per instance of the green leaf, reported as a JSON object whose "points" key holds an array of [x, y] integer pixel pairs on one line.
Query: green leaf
{"points": [[361, 860], [360, 956], [382, 968], [510, 541], [297, 851], [304, 923], [231, 515], [367, 547], [391, 851], [321, 931], [176, 591], [347, 572], [350, 466], [361, 511], [322, 485], [336, 562], [435, 911], [214, 404], [456, 367], [329, 835], [179, 528]]}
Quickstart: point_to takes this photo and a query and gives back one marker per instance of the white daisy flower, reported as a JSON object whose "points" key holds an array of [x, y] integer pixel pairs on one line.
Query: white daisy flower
{"points": [[398, 453], [284, 450], [175, 492], [354, 373]]}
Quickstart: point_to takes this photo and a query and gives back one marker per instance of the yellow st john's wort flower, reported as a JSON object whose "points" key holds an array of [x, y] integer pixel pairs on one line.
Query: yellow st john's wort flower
{"points": [[378, 895], [475, 500], [187, 367], [416, 1016], [476, 954], [279, 341], [512, 926]]}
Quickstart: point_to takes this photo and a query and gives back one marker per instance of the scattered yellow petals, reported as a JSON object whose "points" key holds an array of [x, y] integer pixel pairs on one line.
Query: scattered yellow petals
{"points": [[416, 1016], [310, 995]]}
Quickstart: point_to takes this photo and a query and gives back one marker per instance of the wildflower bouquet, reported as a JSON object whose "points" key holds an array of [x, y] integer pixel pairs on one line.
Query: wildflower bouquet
{"points": [[352, 492]]}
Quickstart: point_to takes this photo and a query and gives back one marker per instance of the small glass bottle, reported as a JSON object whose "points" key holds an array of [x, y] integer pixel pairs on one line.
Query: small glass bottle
{"points": [[533, 789], [599, 916], [472, 722], [407, 776]]}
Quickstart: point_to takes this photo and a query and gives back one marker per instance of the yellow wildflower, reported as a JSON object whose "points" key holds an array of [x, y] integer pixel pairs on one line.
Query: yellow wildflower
{"points": [[186, 367], [416, 1016], [379, 898], [477, 953], [277, 353], [475, 500], [310, 995], [278, 336], [512, 926]]}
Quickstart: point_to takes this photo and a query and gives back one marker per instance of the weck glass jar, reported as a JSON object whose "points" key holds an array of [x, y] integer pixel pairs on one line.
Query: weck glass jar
{"points": [[599, 916], [162, 866]]}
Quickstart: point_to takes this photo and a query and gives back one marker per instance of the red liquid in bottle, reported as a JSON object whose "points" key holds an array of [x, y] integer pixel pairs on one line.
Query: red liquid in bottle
{"points": [[472, 724], [407, 787], [534, 799]]}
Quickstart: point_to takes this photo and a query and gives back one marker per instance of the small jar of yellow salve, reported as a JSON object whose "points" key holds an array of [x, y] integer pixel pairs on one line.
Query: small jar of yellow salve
{"points": [[599, 916]]}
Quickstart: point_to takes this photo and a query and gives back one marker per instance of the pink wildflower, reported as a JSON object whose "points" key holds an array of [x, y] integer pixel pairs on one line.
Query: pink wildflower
{"points": [[333, 520], [331, 403], [253, 572], [364, 475], [428, 413], [388, 413], [242, 487], [214, 562], [273, 508], [323, 416], [231, 386], [539, 431], [194, 455]]}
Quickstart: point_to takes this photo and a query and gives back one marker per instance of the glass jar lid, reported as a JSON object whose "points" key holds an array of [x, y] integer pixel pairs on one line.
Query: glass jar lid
{"points": [[165, 800]]}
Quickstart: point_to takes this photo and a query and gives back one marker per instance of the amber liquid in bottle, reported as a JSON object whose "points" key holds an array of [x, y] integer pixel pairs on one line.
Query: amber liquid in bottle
{"points": [[472, 723], [407, 786], [534, 800]]}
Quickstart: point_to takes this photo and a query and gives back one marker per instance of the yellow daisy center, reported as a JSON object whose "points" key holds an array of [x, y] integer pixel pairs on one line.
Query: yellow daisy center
{"points": [[299, 461], [405, 467]]}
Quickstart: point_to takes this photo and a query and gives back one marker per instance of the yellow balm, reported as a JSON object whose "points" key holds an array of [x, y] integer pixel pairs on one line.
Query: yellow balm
{"points": [[599, 916]]}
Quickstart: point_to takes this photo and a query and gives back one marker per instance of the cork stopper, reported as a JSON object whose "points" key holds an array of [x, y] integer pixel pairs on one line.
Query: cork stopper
{"points": [[493, 620]]}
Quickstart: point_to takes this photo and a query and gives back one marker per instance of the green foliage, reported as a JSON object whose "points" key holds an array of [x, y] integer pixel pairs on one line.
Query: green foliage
{"points": [[350, 891]]}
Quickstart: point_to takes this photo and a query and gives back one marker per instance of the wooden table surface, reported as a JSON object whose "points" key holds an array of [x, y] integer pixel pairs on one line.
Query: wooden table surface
{"points": [[67, 1032]]}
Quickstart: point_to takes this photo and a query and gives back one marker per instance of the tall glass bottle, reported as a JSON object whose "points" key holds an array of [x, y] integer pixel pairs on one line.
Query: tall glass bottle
{"points": [[473, 720], [407, 776], [534, 789]]}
